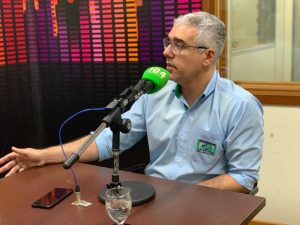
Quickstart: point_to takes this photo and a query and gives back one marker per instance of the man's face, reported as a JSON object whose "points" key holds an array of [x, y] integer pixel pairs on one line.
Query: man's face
{"points": [[185, 66]]}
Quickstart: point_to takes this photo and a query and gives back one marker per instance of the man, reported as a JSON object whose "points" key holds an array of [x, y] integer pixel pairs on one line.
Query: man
{"points": [[201, 128]]}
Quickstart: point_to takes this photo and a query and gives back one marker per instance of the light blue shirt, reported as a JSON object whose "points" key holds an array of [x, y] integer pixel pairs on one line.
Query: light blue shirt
{"points": [[222, 132]]}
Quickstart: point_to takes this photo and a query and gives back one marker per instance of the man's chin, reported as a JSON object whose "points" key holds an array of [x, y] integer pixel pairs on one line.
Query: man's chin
{"points": [[171, 74], [171, 77]]}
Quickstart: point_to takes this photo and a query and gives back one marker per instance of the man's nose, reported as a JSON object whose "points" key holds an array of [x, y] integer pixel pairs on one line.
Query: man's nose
{"points": [[168, 52]]}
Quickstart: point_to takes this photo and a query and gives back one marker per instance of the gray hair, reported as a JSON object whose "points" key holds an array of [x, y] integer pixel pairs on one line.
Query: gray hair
{"points": [[212, 31]]}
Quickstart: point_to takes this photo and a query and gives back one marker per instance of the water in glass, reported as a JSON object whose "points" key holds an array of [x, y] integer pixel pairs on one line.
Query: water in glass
{"points": [[118, 204]]}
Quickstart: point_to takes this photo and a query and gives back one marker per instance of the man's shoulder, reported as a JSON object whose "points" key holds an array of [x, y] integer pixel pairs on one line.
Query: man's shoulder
{"points": [[235, 100], [229, 88], [230, 93]]}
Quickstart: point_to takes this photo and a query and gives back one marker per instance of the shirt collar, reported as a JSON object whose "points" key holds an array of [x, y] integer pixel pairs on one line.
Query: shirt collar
{"points": [[208, 90], [177, 90]]}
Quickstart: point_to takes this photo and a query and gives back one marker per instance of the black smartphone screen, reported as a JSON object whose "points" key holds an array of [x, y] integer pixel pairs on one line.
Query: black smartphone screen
{"points": [[52, 198]]}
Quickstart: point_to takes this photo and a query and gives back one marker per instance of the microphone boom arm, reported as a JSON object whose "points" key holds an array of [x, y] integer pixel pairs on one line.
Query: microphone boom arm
{"points": [[76, 155]]}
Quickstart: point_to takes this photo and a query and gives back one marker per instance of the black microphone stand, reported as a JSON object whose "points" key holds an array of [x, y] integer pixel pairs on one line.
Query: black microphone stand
{"points": [[140, 192], [118, 125]]}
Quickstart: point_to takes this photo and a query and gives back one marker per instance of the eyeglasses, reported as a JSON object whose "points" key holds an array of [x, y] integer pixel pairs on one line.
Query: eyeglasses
{"points": [[177, 47]]}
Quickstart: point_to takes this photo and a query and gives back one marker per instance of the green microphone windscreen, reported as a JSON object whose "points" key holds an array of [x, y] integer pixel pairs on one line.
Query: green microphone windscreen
{"points": [[158, 76]]}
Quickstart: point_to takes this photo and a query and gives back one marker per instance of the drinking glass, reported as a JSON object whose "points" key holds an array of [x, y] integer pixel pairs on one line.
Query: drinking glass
{"points": [[118, 204]]}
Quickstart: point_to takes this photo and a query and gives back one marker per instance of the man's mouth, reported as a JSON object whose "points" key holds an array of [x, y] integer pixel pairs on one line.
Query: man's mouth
{"points": [[170, 65]]}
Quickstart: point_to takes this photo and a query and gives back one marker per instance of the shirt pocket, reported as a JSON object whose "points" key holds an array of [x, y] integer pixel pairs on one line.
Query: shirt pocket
{"points": [[208, 148]]}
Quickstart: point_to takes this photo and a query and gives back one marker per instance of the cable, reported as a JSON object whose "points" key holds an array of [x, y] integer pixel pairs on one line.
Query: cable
{"points": [[60, 139]]}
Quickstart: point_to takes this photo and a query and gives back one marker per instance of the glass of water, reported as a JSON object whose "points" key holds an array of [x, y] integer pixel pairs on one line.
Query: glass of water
{"points": [[118, 204]]}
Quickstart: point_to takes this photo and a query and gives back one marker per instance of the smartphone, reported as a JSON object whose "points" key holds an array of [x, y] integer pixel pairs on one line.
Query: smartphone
{"points": [[52, 198]]}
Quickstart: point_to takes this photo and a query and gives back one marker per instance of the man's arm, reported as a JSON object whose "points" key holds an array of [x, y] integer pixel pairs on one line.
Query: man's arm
{"points": [[54, 154], [243, 148], [224, 182], [24, 158]]}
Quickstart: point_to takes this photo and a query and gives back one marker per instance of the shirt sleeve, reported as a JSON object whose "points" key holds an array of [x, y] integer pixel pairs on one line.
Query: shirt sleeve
{"points": [[244, 142], [138, 131]]}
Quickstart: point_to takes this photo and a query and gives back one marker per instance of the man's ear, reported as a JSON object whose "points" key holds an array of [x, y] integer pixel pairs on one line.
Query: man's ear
{"points": [[209, 57]]}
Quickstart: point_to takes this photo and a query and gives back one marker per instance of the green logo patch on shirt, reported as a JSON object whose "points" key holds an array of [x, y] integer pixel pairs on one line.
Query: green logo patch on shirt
{"points": [[206, 147]]}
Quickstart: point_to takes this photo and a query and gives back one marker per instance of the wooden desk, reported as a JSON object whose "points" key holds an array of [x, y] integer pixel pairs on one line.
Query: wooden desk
{"points": [[175, 202]]}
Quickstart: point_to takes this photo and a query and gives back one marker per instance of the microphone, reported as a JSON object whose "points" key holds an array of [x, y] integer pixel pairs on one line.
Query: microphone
{"points": [[157, 76], [153, 79]]}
